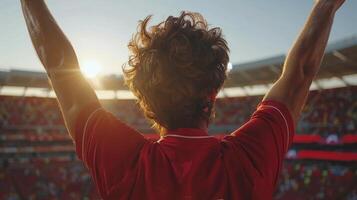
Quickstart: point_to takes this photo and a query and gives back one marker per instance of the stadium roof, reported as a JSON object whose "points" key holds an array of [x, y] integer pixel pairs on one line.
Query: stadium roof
{"points": [[340, 60]]}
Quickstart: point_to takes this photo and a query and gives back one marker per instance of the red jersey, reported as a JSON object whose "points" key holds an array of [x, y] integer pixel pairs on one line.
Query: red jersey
{"points": [[185, 163]]}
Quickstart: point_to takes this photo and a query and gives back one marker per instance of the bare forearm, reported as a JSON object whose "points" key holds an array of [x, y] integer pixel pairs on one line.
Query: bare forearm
{"points": [[59, 59], [51, 45], [305, 57]]}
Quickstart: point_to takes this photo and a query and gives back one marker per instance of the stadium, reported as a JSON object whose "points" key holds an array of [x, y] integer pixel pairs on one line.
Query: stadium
{"points": [[194, 112], [38, 159]]}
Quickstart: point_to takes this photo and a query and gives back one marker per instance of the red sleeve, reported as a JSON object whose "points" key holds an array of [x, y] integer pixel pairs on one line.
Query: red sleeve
{"points": [[264, 139], [108, 148]]}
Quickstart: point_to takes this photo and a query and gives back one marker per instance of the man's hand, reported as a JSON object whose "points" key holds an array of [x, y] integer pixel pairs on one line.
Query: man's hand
{"points": [[335, 4], [60, 61], [304, 59]]}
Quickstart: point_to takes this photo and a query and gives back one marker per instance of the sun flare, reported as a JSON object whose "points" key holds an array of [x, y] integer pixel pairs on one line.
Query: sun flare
{"points": [[91, 68]]}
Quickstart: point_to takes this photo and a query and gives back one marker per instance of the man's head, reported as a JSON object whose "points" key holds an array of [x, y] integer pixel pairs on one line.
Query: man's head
{"points": [[176, 69]]}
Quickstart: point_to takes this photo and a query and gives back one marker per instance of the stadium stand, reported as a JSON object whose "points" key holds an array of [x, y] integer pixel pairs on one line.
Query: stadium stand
{"points": [[32, 130], [37, 159], [327, 112], [315, 180]]}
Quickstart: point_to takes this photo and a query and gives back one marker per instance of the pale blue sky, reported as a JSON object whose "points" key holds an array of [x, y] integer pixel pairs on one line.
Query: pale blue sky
{"points": [[101, 29]]}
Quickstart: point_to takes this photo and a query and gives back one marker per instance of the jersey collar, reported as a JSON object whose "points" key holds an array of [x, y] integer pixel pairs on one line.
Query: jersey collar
{"points": [[186, 132]]}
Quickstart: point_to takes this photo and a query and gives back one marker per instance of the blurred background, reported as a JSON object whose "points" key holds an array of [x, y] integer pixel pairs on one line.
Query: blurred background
{"points": [[37, 159]]}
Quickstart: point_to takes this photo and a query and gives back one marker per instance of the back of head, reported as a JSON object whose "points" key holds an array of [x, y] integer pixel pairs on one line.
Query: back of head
{"points": [[175, 70]]}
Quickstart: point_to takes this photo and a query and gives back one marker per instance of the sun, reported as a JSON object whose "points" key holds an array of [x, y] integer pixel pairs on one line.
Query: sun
{"points": [[91, 68]]}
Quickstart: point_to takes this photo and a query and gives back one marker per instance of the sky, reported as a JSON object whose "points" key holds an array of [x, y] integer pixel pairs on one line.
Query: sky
{"points": [[100, 29]]}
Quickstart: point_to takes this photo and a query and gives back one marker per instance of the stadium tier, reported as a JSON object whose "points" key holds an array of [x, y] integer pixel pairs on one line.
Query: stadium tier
{"points": [[66, 180], [180, 66], [314, 180], [36, 149], [327, 112], [46, 180]]}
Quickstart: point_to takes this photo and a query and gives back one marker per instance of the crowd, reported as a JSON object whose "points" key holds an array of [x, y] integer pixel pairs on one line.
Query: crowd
{"points": [[33, 111], [69, 180], [326, 181], [42, 180], [331, 111], [23, 119], [327, 112]]}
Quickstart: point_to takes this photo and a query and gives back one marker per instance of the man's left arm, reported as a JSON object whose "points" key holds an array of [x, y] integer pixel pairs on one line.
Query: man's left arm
{"points": [[304, 59], [267, 136]]}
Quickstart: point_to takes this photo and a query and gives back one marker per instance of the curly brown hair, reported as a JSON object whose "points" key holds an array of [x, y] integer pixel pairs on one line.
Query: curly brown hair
{"points": [[174, 69]]}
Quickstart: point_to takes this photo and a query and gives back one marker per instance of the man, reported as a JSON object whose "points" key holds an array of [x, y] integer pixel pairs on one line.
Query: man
{"points": [[176, 69]]}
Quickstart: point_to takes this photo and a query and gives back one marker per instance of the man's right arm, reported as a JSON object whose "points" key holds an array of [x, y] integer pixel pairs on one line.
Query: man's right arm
{"points": [[304, 59], [60, 61], [108, 147]]}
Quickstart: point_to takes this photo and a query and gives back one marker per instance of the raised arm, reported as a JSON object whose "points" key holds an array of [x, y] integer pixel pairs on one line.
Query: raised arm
{"points": [[304, 59], [60, 61]]}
